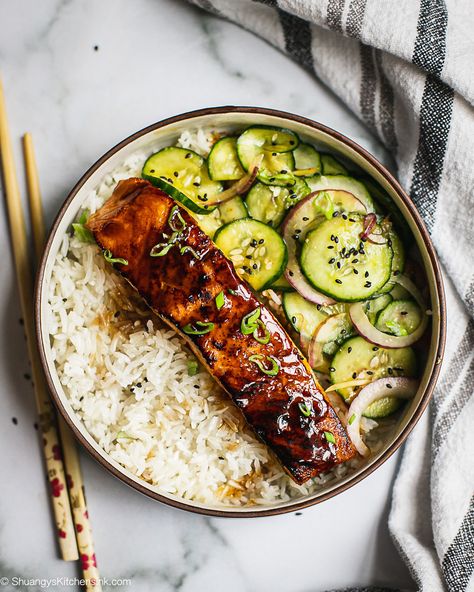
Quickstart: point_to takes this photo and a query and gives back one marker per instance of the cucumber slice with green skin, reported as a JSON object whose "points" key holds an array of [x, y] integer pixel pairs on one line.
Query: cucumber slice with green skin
{"points": [[269, 203], [334, 332], [360, 359], [400, 317], [338, 263], [398, 261], [375, 305], [331, 166], [256, 250], [275, 146], [307, 160], [303, 316], [231, 210], [343, 183], [183, 175], [399, 292], [383, 407], [282, 285], [223, 162]]}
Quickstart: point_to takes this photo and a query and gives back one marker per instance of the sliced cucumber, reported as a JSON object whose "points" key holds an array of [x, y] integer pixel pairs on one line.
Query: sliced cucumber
{"points": [[183, 175], [256, 250], [268, 203], [375, 305], [231, 210], [336, 262], [274, 146], [307, 161], [223, 162], [282, 285], [400, 317], [334, 332], [398, 261], [399, 292], [303, 316], [331, 166], [383, 407], [358, 358], [343, 183]]}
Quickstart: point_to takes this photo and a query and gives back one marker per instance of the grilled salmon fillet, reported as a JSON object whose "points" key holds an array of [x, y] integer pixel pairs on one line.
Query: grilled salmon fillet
{"points": [[271, 383]]}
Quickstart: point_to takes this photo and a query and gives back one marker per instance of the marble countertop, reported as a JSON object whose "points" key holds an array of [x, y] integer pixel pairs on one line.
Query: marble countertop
{"points": [[81, 75]]}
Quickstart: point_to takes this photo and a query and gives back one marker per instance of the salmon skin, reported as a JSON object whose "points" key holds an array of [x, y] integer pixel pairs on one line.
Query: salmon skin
{"points": [[271, 383]]}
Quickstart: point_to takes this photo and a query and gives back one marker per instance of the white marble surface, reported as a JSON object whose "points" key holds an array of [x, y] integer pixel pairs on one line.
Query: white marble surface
{"points": [[81, 75]]}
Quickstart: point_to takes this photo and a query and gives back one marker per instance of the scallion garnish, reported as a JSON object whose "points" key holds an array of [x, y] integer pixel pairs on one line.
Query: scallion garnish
{"points": [[352, 419], [199, 328], [193, 368], [171, 222], [249, 322], [259, 358], [330, 437], [188, 249], [305, 410], [396, 328], [111, 259], [258, 336], [324, 204], [160, 249], [233, 292], [81, 231], [220, 300]]}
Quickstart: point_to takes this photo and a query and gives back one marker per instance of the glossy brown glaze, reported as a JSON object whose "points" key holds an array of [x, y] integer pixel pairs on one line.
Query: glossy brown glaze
{"points": [[182, 287]]}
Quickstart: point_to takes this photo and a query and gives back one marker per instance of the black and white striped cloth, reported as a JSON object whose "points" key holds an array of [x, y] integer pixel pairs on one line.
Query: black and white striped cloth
{"points": [[405, 68]]}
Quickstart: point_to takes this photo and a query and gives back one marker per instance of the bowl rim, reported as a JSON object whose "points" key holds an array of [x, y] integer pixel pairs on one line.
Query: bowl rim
{"points": [[438, 284]]}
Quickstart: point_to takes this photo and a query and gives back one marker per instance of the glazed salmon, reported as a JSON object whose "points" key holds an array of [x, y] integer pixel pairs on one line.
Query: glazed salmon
{"points": [[271, 382]]}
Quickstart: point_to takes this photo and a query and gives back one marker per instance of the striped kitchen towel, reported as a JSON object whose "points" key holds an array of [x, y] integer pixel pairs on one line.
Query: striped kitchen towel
{"points": [[404, 67]]}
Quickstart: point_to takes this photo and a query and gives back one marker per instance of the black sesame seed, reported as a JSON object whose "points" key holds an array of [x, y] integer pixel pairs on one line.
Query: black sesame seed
{"points": [[355, 271], [367, 284], [336, 239], [283, 171], [369, 372], [305, 218], [338, 281], [274, 153], [351, 220], [188, 155], [117, 313], [152, 170], [389, 242], [196, 184], [404, 312], [354, 375], [254, 266], [375, 348], [388, 385], [290, 273], [272, 179], [318, 306], [196, 386], [330, 246], [343, 331], [349, 349], [332, 237], [253, 243], [332, 369], [139, 385], [176, 174], [396, 272], [331, 261], [338, 265], [366, 274], [344, 216], [96, 48], [248, 256], [355, 260], [295, 236], [398, 368], [293, 320], [15, 421], [389, 370]]}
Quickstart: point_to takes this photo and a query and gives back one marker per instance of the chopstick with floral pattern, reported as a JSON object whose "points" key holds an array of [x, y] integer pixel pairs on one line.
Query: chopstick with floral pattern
{"points": [[50, 438], [71, 458]]}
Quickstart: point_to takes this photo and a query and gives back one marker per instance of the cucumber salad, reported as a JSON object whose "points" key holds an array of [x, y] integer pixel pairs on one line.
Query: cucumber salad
{"points": [[308, 235]]}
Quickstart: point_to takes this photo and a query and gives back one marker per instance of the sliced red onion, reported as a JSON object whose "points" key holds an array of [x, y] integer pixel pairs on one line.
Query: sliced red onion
{"points": [[365, 328], [241, 186], [402, 388], [369, 222]]}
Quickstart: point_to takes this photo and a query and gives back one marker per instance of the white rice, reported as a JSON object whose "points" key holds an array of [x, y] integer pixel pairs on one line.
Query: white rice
{"points": [[126, 376]]}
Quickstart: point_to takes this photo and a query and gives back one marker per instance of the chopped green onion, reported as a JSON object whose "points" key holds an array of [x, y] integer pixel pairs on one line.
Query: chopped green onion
{"points": [[124, 436], [327, 207], [330, 437], [305, 410], [160, 249], [193, 368], [396, 328], [188, 249], [111, 259], [249, 322], [258, 359], [220, 300], [175, 211], [352, 419], [265, 338], [80, 230], [233, 292], [200, 328]]}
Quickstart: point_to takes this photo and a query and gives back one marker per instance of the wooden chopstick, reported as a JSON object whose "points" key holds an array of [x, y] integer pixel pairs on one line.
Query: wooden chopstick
{"points": [[49, 434], [71, 456]]}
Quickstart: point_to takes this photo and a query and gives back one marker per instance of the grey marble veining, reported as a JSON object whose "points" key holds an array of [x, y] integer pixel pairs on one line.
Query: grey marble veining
{"points": [[81, 75]]}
